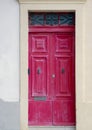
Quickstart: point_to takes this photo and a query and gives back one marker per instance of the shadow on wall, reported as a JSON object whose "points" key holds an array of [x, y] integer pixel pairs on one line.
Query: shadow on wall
{"points": [[9, 115]]}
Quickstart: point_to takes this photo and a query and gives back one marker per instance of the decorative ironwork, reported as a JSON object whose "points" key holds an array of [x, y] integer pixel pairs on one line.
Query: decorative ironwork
{"points": [[36, 19], [51, 19], [67, 19]]}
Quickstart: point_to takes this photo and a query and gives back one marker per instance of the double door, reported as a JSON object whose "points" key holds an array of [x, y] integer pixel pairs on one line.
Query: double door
{"points": [[51, 93]]}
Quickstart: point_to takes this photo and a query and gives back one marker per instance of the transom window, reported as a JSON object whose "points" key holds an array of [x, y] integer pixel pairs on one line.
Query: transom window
{"points": [[51, 19]]}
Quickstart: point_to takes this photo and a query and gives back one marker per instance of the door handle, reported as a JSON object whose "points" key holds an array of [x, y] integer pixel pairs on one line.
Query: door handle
{"points": [[53, 75]]}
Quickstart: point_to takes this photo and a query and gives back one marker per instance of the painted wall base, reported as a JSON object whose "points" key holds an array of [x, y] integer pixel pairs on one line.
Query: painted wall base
{"points": [[9, 115], [53, 128]]}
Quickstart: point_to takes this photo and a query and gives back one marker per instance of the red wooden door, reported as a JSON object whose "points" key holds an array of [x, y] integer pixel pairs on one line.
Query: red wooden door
{"points": [[51, 79]]}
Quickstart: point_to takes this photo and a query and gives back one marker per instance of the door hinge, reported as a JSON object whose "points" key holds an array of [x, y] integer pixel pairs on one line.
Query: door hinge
{"points": [[28, 71]]}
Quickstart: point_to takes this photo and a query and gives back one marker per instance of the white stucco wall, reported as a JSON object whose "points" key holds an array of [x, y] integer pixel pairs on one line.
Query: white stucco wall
{"points": [[9, 65], [9, 50]]}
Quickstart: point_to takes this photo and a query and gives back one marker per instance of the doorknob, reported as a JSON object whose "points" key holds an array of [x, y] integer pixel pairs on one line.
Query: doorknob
{"points": [[53, 75]]}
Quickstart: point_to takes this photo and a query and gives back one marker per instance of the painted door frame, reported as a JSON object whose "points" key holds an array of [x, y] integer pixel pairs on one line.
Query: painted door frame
{"points": [[51, 6]]}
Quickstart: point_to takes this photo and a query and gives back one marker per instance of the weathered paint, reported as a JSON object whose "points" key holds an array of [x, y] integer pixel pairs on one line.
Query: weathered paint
{"points": [[52, 76]]}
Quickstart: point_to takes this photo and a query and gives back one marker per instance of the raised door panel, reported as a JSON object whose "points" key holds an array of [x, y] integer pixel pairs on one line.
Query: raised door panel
{"points": [[63, 82], [39, 43], [39, 75], [63, 42]]}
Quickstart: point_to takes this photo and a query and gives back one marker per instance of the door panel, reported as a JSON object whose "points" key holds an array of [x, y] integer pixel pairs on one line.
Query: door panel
{"points": [[39, 75], [40, 42], [63, 112], [63, 42], [40, 113], [63, 74]]}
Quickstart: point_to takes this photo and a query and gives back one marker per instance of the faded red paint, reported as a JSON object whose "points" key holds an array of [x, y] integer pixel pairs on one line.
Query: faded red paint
{"points": [[52, 76]]}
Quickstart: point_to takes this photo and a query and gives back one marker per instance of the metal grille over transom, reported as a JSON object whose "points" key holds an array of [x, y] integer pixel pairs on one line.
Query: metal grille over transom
{"points": [[51, 19]]}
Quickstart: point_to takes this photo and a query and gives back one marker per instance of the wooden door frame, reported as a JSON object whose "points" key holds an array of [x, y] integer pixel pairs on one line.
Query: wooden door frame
{"points": [[79, 52]]}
